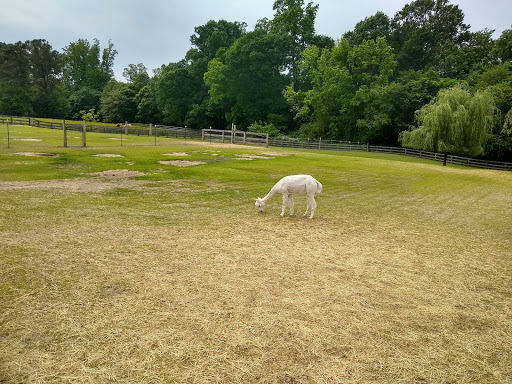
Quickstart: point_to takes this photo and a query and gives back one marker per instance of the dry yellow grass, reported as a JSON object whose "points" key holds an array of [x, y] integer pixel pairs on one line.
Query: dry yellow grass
{"points": [[416, 290]]}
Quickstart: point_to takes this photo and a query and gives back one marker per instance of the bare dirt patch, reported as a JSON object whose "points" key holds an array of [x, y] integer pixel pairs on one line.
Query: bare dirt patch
{"points": [[251, 157], [118, 173], [37, 154], [274, 154], [28, 139], [102, 182], [176, 154], [108, 155], [84, 185], [182, 163]]}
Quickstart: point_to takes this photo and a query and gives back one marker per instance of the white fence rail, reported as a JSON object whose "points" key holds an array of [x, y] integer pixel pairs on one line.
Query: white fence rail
{"points": [[235, 137]]}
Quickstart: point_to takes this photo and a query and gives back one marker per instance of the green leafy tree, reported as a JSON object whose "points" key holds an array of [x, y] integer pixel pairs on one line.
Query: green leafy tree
{"points": [[262, 127], [83, 66], [49, 96], [393, 106], [294, 19], [86, 71], [370, 28], [147, 106], [344, 82], [84, 98], [248, 79], [455, 122], [502, 51], [324, 110], [30, 80], [137, 74], [209, 38], [118, 102], [15, 83], [497, 79], [459, 61], [371, 63], [180, 91], [90, 115], [420, 31], [176, 89]]}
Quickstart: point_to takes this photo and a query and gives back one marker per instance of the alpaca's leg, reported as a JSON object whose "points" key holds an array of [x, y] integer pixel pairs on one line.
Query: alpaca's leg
{"points": [[308, 206], [291, 203], [285, 202], [312, 205]]}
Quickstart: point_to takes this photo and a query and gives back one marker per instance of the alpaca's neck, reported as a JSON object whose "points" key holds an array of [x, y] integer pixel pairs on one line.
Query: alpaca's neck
{"points": [[270, 194]]}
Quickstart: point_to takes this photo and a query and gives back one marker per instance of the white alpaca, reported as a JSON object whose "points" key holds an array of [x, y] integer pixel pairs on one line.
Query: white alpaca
{"points": [[288, 186]]}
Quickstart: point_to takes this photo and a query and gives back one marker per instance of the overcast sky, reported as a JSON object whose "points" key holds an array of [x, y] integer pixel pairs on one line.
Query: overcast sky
{"points": [[156, 32]]}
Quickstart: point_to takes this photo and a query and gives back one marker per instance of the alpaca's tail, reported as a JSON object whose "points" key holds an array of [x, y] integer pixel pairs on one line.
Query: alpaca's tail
{"points": [[319, 187]]}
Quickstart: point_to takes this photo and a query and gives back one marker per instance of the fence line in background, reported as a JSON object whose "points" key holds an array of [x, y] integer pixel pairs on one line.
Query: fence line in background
{"points": [[127, 129], [340, 146], [235, 137], [253, 138]]}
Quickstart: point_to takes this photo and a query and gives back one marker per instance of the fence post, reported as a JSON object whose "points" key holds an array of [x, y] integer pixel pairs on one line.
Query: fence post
{"points": [[320, 143], [84, 132], [202, 134], [8, 141], [266, 141], [64, 133], [150, 128]]}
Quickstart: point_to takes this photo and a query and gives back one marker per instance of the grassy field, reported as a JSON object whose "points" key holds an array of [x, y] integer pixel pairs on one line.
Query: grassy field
{"points": [[150, 264]]}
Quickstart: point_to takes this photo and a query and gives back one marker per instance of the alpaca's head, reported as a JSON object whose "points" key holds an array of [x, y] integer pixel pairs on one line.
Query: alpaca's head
{"points": [[260, 204]]}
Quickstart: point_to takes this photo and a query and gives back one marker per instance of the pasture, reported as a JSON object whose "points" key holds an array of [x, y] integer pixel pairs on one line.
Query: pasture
{"points": [[150, 264]]}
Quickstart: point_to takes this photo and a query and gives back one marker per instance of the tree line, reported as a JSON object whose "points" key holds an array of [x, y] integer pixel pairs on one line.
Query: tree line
{"points": [[420, 78]]}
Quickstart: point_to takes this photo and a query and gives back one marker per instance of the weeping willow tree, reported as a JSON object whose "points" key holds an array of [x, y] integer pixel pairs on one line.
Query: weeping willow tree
{"points": [[455, 122]]}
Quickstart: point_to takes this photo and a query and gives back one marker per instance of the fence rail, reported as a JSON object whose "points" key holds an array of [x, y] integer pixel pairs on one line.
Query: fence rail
{"points": [[235, 137], [253, 138], [14, 120], [128, 129], [339, 146]]}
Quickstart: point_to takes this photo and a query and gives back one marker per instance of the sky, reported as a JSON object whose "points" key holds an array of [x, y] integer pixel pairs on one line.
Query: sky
{"points": [[157, 32]]}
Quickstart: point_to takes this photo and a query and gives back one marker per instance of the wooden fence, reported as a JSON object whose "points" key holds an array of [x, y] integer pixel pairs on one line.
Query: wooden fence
{"points": [[127, 129], [15, 120], [341, 146], [252, 138], [235, 137]]}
